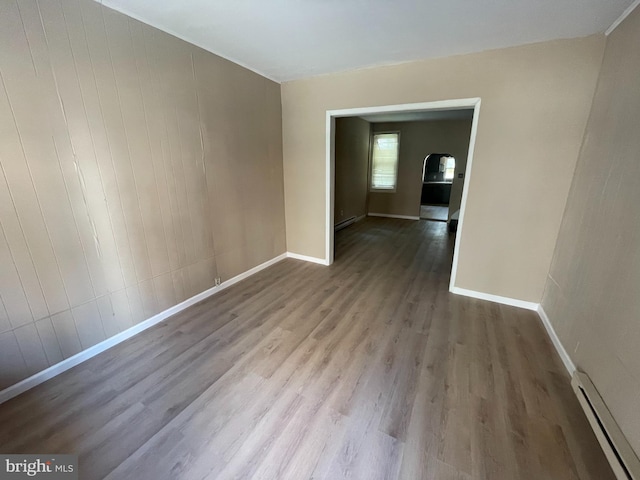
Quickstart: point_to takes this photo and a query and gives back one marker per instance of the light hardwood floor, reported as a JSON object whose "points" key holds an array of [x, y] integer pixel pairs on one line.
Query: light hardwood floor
{"points": [[368, 369]]}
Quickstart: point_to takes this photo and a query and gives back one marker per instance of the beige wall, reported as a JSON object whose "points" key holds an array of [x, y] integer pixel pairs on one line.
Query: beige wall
{"points": [[462, 146], [535, 102], [135, 168], [592, 296], [417, 140], [351, 167]]}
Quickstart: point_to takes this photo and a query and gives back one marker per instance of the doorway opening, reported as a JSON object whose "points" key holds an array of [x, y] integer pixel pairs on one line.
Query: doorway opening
{"points": [[438, 171], [470, 104]]}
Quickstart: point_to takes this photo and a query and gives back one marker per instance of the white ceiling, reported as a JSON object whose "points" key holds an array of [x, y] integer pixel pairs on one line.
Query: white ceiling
{"points": [[292, 39]]}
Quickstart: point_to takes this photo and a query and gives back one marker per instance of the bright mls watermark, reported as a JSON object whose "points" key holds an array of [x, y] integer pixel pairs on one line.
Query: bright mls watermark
{"points": [[50, 467]]}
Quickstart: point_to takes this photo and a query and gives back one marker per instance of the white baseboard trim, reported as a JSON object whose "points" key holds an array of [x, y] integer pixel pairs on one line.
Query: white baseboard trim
{"points": [[389, 215], [566, 359], [514, 302], [66, 364], [247, 274], [307, 258]]}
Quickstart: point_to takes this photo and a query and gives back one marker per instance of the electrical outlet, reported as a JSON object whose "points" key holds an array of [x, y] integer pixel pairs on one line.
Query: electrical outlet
{"points": [[218, 281]]}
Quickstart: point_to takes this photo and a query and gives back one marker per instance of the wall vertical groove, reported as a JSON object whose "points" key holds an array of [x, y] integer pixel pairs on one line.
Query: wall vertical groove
{"points": [[135, 170]]}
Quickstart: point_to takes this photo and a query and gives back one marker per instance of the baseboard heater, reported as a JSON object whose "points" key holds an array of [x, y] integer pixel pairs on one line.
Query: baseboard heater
{"points": [[345, 223], [624, 461]]}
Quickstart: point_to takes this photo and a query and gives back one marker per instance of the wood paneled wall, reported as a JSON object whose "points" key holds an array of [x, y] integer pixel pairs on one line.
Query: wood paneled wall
{"points": [[592, 292], [135, 168]]}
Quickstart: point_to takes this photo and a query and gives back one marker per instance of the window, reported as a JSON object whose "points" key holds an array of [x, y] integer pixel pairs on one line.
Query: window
{"points": [[449, 168], [384, 161]]}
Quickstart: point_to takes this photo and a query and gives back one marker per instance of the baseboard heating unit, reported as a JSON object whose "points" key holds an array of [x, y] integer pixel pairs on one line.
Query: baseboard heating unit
{"points": [[345, 223], [624, 461]]}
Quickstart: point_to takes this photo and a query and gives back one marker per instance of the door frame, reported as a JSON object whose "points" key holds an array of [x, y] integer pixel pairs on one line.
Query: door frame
{"points": [[331, 115]]}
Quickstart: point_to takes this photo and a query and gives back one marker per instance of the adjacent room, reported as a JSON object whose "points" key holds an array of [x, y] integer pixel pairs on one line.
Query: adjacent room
{"points": [[294, 240]]}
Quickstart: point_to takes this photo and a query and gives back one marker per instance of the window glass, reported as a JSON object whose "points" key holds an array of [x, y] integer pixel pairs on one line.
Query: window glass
{"points": [[384, 161], [450, 168]]}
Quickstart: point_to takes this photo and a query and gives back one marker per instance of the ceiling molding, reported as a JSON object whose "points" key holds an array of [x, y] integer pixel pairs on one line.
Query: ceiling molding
{"points": [[621, 18]]}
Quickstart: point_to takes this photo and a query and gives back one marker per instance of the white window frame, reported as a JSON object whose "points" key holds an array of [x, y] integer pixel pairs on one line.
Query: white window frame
{"points": [[377, 189]]}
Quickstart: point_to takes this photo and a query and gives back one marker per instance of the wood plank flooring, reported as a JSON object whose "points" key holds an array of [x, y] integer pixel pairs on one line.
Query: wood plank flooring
{"points": [[368, 369], [434, 212]]}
